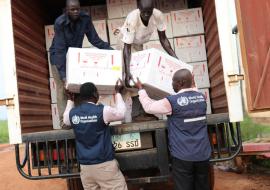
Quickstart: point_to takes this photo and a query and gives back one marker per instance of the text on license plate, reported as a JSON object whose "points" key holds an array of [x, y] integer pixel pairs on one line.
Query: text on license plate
{"points": [[126, 141]]}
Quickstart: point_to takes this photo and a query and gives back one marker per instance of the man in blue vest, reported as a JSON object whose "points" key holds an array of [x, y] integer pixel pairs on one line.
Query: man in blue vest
{"points": [[187, 131], [95, 152]]}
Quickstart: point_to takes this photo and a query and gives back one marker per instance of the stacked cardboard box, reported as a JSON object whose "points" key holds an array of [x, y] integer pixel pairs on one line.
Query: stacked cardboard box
{"points": [[113, 24], [190, 49], [189, 43], [156, 44], [101, 28], [168, 21], [99, 12], [166, 6], [187, 22], [120, 8], [53, 90]]}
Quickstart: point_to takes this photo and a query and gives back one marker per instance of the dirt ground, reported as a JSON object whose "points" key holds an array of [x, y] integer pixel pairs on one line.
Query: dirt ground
{"points": [[11, 180]]}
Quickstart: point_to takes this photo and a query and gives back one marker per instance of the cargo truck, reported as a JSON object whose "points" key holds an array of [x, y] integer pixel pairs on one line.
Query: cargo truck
{"points": [[51, 153]]}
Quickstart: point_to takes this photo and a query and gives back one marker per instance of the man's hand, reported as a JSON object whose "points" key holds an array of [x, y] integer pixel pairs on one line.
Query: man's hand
{"points": [[116, 32], [138, 84], [70, 95], [119, 86]]}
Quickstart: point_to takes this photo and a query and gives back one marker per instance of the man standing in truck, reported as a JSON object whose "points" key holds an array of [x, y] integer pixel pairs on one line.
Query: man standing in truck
{"points": [[138, 28], [70, 29], [187, 131], [95, 152]]}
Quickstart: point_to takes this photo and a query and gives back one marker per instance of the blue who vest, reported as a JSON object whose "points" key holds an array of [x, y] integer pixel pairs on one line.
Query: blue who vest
{"points": [[187, 127], [92, 135]]}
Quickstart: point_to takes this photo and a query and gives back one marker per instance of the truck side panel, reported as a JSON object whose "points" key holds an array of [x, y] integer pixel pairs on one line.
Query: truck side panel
{"points": [[7, 58], [32, 67], [215, 69], [229, 56]]}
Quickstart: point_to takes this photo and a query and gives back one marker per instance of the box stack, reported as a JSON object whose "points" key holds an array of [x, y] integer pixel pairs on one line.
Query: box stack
{"points": [[99, 12], [156, 44], [49, 34], [189, 43], [166, 6], [120, 8], [113, 24], [117, 12]]}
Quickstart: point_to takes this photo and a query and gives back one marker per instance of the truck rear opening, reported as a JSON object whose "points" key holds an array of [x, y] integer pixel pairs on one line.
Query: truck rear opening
{"points": [[51, 154]]}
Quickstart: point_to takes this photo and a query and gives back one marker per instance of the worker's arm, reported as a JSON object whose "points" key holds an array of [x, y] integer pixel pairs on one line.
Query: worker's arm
{"points": [[151, 106], [58, 50], [126, 68], [128, 31], [161, 29], [93, 37], [69, 106], [116, 113], [166, 43]]}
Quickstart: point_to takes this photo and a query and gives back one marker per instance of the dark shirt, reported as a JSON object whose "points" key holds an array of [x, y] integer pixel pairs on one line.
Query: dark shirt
{"points": [[71, 34]]}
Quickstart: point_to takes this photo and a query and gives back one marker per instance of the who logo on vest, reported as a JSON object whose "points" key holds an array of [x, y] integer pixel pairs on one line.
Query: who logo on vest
{"points": [[183, 101]]}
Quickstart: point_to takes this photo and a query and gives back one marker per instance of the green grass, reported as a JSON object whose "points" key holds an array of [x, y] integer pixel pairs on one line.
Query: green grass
{"points": [[3, 132], [251, 130]]}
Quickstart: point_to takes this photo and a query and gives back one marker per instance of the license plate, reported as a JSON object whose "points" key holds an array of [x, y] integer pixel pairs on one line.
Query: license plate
{"points": [[126, 141]]}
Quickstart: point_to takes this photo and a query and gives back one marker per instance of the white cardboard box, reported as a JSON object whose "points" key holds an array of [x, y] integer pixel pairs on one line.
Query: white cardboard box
{"points": [[102, 67], [205, 91], [112, 25], [200, 72], [55, 117], [172, 5], [187, 22], [190, 49], [49, 34], [120, 8], [156, 44], [168, 21], [101, 28], [155, 69], [99, 12], [53, 89]]}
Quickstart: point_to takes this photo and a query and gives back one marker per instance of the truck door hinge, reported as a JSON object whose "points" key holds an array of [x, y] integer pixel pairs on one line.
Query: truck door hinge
{"points": [[7, 102], [234, 78]]}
